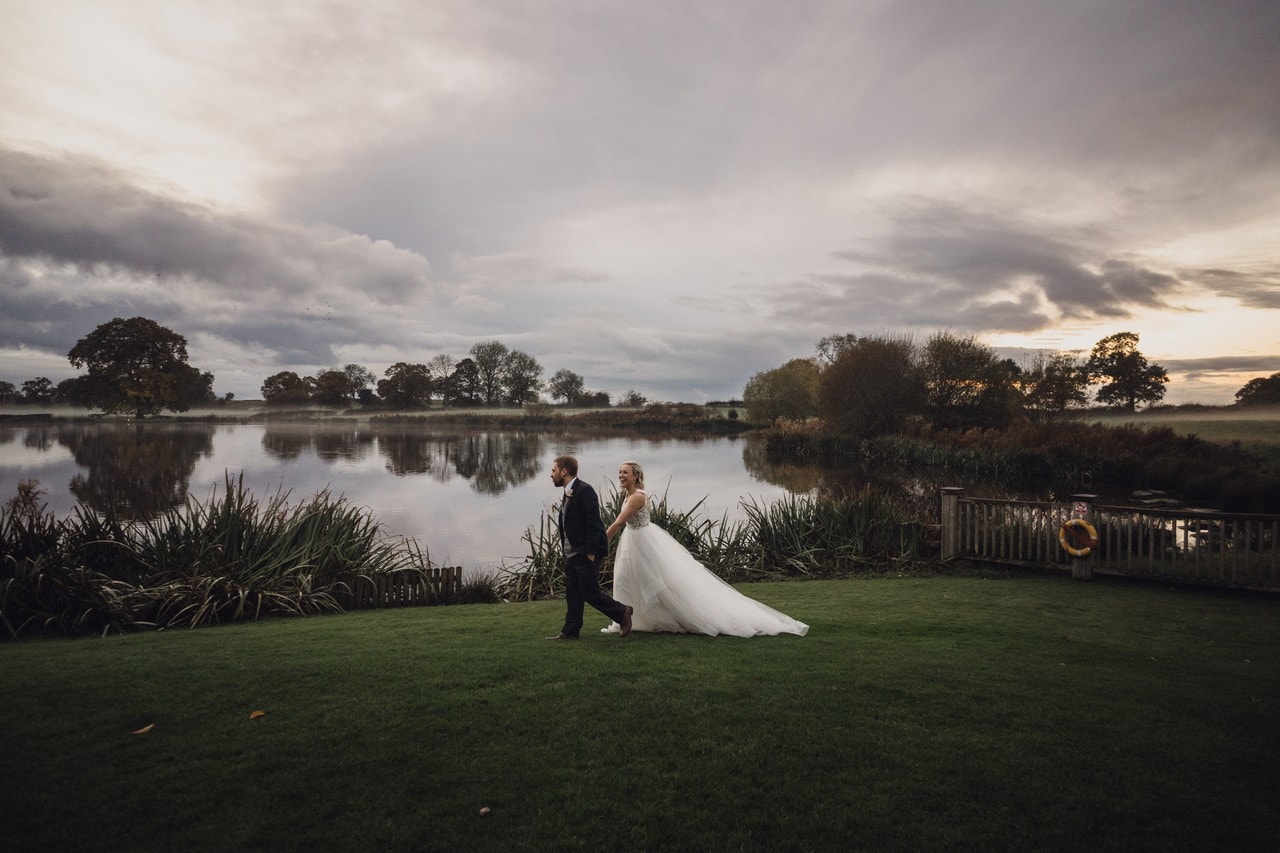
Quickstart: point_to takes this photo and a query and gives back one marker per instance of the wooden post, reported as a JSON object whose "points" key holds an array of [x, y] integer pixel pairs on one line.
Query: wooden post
{"points": [[951, 521], [1082, 567]]}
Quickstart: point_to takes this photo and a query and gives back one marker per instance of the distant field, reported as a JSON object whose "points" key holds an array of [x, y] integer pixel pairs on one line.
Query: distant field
{"points": [[1255, 430]]}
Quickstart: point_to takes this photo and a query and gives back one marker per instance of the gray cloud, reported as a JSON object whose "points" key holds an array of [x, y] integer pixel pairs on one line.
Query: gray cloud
{"points": [[81, 244], [1263, 365], [1256, 286], [704, 190], [941, 265], [83, 213], [644, 101]]}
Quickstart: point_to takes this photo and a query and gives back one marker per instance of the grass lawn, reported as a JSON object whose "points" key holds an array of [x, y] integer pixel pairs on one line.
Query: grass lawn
{"points": [[1020, 713]]}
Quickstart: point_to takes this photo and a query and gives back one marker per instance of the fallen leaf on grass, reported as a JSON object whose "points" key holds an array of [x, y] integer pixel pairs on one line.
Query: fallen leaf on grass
{"points": [[142, 731], [253, 715]]}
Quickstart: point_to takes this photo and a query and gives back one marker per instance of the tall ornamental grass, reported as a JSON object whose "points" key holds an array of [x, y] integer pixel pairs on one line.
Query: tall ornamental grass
{"points": [[798, 536], [828, 537], [227, 559]]}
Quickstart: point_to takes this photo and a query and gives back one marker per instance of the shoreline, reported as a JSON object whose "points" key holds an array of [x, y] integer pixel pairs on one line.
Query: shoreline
{"points": [[682, 417]]}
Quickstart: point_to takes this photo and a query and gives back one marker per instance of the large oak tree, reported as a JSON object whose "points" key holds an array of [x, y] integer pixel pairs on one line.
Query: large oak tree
{"points": [[1260, 391], [408, 385], [1126, 376], [137, 366]]}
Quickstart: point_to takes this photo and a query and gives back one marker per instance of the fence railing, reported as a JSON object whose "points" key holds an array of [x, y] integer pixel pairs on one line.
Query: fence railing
{"points": [[1185, 545], [403, 588]]}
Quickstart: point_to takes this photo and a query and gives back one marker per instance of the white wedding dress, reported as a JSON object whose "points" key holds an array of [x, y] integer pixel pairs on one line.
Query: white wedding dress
{"points": [[671, 591]]}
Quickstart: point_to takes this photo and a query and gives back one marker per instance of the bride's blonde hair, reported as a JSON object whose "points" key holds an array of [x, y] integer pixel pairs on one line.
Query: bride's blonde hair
{"points": [[637, 471]]}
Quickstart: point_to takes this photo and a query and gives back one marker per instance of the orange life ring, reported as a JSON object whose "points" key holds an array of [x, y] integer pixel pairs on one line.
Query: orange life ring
{"points": [[1077, 537]]}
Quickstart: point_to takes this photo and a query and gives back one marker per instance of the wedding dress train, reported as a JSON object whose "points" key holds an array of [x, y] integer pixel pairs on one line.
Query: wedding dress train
{"points": [[671, 591]]}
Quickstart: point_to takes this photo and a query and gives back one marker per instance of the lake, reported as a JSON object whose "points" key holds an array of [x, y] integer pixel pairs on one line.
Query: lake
{"points": [[466, 496]]}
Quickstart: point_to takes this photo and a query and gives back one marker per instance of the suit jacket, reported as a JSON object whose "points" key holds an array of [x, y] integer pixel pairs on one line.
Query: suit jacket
{"points": [[580, 522]]}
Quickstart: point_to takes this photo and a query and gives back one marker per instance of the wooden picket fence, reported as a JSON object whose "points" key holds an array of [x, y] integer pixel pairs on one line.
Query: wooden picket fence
{"points": [[403, 588], [1185, 545]]}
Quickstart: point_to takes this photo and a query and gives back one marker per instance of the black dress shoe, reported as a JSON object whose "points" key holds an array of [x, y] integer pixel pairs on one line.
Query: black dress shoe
{"points": [[627, 610], [560, 636]]}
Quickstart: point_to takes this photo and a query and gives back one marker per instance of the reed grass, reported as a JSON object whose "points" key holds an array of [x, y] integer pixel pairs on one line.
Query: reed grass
{"points": [[828, 537], [230, 558], [798, 536], [236, 557]]}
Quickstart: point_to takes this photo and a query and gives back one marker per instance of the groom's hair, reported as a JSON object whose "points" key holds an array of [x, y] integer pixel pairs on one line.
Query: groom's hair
{"points": [[568, 463]]}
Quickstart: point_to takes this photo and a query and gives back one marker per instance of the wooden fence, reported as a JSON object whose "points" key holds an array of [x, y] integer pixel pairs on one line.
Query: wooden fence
{"points": [[1184, 545], [403, 588]]}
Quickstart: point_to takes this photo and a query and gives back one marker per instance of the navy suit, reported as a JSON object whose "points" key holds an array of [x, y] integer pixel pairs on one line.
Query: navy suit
{"points": [[583, 535]]}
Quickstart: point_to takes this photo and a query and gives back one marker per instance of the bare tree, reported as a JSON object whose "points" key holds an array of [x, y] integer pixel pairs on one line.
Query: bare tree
{"points": [[441, 371], [632, 400]]}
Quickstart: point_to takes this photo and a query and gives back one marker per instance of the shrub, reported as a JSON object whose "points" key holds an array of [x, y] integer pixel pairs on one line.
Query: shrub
{"points": [[229, 559]]}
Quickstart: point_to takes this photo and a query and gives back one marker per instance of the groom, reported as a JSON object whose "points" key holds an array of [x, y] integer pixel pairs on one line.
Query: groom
{"points": [[585, 545]]}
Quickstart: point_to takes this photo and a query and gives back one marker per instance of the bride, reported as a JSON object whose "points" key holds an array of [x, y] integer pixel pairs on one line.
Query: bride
{"points": [[669, 589]]}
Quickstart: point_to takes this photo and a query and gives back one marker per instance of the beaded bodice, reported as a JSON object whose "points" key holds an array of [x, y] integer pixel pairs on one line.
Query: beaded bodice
{"points": [[641, 518]]}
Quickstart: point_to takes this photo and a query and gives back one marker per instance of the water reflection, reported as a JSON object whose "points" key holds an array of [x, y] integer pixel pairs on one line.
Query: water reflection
{"points": [[39, 438], [792, 476], [410, 453], [497, 461], [467, 496], [916, 489], [130, 470], [284, 445], [494, 461], [350, 443], [287, 442]]}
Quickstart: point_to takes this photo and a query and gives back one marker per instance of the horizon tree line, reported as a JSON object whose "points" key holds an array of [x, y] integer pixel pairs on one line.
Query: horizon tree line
{"points": [[860, 385], [866, 386], [139, 367], [491, 374]]}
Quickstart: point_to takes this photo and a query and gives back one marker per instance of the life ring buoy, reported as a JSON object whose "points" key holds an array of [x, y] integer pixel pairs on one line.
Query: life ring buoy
{"points": [[1077, 537]]}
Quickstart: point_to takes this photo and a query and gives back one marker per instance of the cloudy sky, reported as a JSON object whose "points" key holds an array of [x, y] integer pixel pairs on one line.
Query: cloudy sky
{"points": [[661, 196]]}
